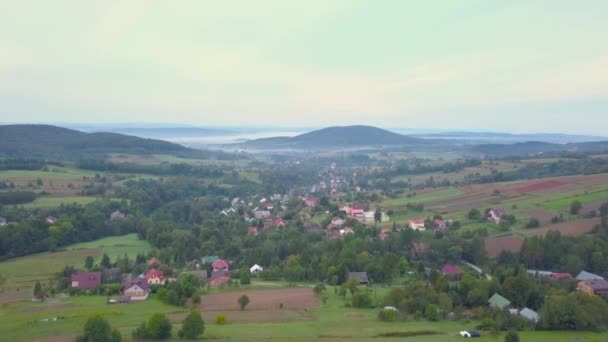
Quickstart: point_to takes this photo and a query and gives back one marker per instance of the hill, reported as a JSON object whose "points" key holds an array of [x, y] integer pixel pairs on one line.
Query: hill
{"points": [[338, 137], [46, 141]]}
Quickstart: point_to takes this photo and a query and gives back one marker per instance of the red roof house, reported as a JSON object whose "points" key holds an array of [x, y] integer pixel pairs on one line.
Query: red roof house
{"points": [[154, 276], [252, 230], [560, 276], [85, 280], [278, 222], [219, 278], [450, 270], [220, 264]]}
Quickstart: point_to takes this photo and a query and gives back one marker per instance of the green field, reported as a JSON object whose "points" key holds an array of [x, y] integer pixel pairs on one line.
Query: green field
{"points": [[55, 173], [23, 272], [422, 198], [331, 322], [51, 202]]}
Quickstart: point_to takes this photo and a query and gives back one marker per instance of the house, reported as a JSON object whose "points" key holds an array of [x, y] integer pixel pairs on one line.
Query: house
{"points": [[310, 201], [256, 270], [452, 271], [3, 221], [360, 276], [346, 230], [261, 213], [597, 287], [155, 277], [228, 211], [540, 274], [135, 288], [252, 230], [530, 315], [338, 221], [331, 227], [357, 210], [384, 234], [369, 216], [51, 220], [312, 228], [419, 249], [440, 225], [560, 276], [85, 280], [416, 224], [117, 215], [346, 209], [278, 222], [200, 274], [498, 301], [154, 262], [496, 214], [219, 265], [584, 275], [219, 278], [209, 259]]}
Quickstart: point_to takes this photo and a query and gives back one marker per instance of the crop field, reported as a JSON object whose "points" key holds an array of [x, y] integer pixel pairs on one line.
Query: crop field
{"points": [[23, 272]]}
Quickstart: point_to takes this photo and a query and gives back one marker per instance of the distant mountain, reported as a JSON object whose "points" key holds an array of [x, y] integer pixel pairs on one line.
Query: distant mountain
{"points": [[52, 142], [509, 138], [532, 148], [170, 132], [338, 137]]}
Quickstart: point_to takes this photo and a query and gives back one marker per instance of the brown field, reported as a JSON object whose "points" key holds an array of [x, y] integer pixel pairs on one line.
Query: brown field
{"points": [[542, 215], [566, 228], [495, 245], [264, 305], [538, 186]]}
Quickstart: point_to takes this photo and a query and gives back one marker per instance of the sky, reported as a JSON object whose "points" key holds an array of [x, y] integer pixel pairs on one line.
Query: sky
{"points": [[518, 66]]}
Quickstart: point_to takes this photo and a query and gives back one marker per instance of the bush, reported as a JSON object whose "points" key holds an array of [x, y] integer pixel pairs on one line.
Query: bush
{"points": [[386, 315], [361, 300], [431, 313], [575, 207], [97, 329], [158, 328], [192, 327], [220, 319], [512, 336], [243, 301], [533, 223]]}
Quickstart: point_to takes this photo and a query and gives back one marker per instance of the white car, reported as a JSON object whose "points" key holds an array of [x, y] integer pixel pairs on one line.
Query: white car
{"points": [[470, 334]]}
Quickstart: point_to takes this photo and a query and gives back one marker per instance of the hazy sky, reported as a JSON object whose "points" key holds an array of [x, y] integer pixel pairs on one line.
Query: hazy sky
{"points": [[501, 65]]}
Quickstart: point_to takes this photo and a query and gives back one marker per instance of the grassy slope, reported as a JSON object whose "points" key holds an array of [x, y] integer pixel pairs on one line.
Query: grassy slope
{"points": [[23, 272]]}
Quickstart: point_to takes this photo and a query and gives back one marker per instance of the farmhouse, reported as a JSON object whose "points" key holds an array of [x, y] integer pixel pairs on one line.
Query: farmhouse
{"points": [[357, 211], [440, 225], [256, 270], [209, 259], [498, 301], [219, 265], [530, 315], [3, 221], [85, 280], [117, 215], [384, 234], [560, 276], [155, 277], [135, 288], [496, 214], [154, 262], [219, 278], [337, 221], [584, 275], [451, 271], [346, 230], [597, 287], [416, 224], [346, 209], [360, 276], [310, 201], [51, 220], [278, 222], [252, 230]]}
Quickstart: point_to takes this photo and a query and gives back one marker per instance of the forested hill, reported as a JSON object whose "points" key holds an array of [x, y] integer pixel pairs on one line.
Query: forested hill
{"points": [[46, 141], [338, 137]]}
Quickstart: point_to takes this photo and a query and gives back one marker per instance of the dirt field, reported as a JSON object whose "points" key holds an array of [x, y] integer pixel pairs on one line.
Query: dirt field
{"points": [[542, 215], [495, 245], [566, 228], [264, 305], [64, 338], [538, 186]]}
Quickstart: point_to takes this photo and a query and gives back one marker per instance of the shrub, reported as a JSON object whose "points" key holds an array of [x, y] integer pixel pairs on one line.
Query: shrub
{"points": [[361, 300], [220, 319], [192, 327], [243, 301], [97, 329], [386, 315], [431, 313], [512, 336]]}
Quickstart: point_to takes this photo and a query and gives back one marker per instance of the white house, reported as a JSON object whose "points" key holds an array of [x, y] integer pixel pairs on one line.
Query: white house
{"points": [[417, 224], [256, 270], [135, 292]]}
